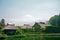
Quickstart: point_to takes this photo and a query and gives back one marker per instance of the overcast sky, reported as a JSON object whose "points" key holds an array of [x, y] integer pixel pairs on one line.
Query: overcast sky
{"points": [[28, 11]]}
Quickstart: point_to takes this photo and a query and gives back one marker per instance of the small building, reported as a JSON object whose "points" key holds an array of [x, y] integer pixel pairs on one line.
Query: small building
{"points": [[43, 24], [26, 26], [10, 29]]}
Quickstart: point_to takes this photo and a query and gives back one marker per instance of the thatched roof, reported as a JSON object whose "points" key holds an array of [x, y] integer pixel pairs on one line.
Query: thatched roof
{"points": [[10, 28]]}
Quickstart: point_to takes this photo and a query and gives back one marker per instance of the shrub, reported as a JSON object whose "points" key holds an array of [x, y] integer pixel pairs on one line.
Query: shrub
{"points": [[51, 29], [3, 37]]}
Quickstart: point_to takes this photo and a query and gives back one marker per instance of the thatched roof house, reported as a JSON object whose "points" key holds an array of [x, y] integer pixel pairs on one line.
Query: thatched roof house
{"points": [[10, 29], [26, 26]]}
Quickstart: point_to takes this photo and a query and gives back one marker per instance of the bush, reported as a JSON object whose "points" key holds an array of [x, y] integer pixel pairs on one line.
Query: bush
{"points": [[20, 32], [3, 37], [51, 29]]}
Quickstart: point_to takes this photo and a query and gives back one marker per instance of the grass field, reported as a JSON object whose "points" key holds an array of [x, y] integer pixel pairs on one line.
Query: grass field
{"points": [[37, 37]]}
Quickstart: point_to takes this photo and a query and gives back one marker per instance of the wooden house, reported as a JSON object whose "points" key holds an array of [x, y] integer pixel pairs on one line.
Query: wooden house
{"points": [[10, 29]]}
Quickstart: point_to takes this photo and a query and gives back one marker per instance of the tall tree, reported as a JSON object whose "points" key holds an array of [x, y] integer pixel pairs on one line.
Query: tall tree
{"points": [[2, 22], [59, 20], [54, 20]]}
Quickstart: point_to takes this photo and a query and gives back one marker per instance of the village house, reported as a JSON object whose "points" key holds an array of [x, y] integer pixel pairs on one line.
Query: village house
{"points": [[10, 29], [43, 24], [26, 26]]}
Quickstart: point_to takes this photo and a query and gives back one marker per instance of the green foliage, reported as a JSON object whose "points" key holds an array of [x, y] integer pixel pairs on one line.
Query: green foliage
{"points": [[3, 36], [53, 20], [59, 20], [51, 29], [20, 31], [27, 30], [1, 27], [37, 27]]}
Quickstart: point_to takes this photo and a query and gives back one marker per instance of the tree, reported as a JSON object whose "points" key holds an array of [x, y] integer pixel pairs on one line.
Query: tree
{"points": [[20, 31], [54, 20], [59, 20], [2, 22], [52, 29], [36, 27]]}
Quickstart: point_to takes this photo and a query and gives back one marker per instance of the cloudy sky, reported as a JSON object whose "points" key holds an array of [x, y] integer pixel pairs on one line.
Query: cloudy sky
{"points": [[28, 11]]}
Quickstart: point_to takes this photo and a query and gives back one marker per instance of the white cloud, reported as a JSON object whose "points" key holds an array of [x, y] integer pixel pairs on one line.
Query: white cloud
{"points": [[28, 18], [24, 19]]}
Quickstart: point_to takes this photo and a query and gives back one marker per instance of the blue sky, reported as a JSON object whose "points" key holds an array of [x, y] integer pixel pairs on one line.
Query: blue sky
{"points": [[28, 11]]}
